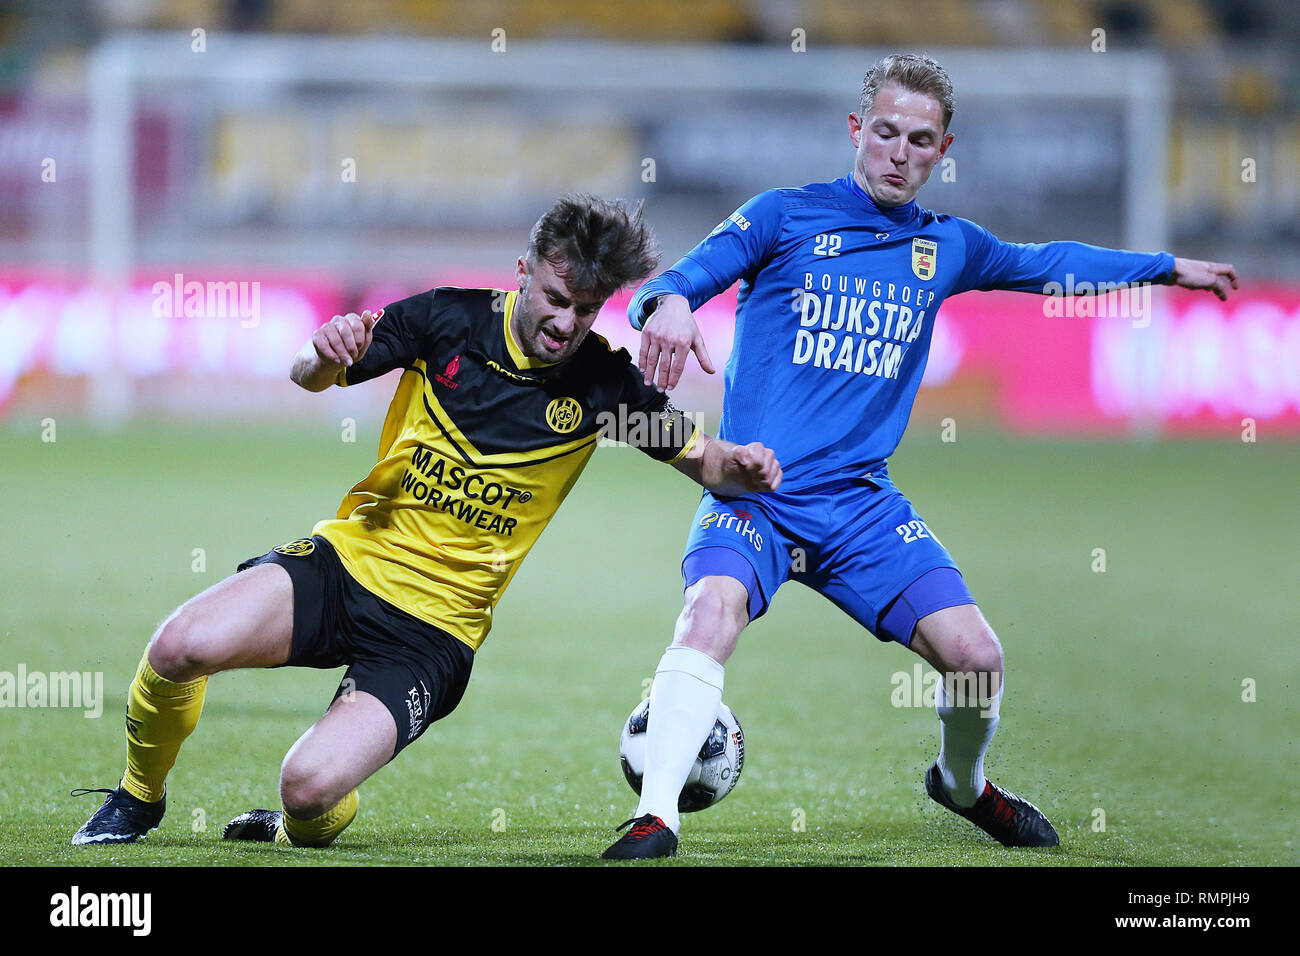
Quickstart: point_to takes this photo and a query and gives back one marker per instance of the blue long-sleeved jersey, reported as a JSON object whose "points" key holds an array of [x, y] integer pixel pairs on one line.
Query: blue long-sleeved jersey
{"points": [[837, 301]]}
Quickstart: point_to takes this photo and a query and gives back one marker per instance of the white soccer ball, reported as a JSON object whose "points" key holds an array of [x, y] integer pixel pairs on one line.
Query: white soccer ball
{"points": [[715, 771]]}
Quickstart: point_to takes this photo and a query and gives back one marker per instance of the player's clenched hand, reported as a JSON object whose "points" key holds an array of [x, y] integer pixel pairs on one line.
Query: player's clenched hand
{"points": [[754, 467], [667, 338], [344, 338], [1198, 274]]}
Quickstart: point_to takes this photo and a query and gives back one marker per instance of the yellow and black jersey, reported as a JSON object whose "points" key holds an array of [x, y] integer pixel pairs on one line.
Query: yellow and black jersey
{"points": [[480, 446]]}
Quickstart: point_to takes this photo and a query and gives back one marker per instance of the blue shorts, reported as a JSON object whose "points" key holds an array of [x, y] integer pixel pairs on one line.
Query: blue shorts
{"points": [[861, 544]]}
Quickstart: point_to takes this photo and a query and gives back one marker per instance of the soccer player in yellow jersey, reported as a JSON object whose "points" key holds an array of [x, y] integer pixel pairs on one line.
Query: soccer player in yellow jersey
{"points": [[500, 407]]}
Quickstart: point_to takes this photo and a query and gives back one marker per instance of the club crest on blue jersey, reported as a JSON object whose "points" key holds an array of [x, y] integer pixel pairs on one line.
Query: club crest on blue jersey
{"points": [[924, 255]]}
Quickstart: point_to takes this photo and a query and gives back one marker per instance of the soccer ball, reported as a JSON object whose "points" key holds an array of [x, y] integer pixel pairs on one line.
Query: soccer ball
{"points": [[715, 771]]}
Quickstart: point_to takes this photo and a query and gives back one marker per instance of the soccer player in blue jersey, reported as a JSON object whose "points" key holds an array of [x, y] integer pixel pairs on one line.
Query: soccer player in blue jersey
{"points": [[840, 283]]}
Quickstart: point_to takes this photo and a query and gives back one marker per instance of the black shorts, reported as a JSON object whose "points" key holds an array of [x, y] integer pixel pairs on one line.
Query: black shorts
{"points": [[419, 671]]}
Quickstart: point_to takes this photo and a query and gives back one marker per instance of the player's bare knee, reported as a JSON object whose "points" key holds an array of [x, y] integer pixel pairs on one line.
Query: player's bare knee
{"points": [[307, 792], [712, 619], [987, 653], [178, 651], [976, 651]]}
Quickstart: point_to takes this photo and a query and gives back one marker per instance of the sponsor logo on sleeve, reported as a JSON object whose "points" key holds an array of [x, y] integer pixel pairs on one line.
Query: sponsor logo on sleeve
{"points": [[735, 217]]}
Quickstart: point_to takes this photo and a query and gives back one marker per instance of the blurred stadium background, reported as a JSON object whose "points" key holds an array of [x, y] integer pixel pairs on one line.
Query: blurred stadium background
{"points": [[316, 156], [335, 155]]}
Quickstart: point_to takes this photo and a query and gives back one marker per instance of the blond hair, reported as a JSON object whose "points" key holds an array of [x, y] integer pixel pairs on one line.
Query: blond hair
{"points": [[914, 72]]}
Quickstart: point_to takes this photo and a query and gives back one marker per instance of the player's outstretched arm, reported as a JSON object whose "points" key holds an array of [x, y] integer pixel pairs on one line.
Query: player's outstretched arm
{"points": [[1217, 277], [726, 468], [667, 339], [741, 244], [333, 347], [1049, 268]]}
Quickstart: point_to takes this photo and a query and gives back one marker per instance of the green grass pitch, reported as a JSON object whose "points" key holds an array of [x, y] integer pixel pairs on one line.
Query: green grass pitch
{"points": [[1124, 688]]}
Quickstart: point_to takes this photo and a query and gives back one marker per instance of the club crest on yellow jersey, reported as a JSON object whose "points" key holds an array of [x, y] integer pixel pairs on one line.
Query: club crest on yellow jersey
{"points": [[924, 256], [564, 415]]}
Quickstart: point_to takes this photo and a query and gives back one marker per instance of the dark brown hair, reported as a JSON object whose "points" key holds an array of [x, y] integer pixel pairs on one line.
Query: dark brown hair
{"points": [[596, 246], [914, 72]]}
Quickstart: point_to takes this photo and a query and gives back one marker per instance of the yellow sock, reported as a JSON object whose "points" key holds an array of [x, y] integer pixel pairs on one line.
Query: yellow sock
{"points": [[160, 714], [321, 830]]}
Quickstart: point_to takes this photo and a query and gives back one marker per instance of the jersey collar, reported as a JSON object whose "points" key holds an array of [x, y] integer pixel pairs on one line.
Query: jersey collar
{"points": [[894, 215]]}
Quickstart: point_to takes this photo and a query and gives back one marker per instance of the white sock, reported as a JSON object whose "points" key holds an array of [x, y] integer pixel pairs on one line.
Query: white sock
{"points": [[683, 706], [964, 736]]}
